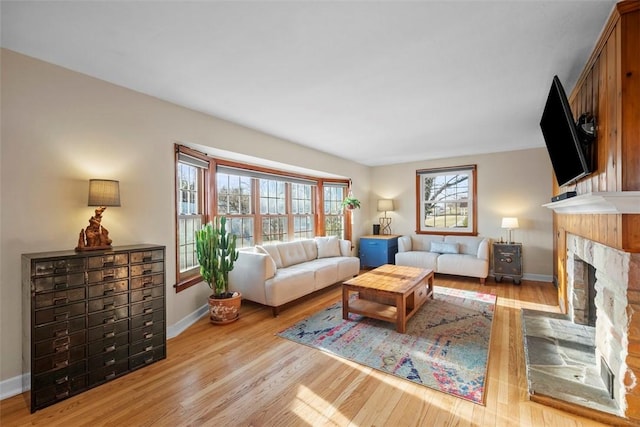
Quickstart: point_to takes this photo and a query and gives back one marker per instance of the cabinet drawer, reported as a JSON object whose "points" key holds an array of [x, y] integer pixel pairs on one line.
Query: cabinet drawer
{"points": [[46, 395], [109, 359], [60, 360], [107, 303], [108, 316], [110, 260], [59, 329], [149, 268], [107, 373], [147, 294], [48, 299], [109, 345], [147, 256], [60, 376], [43, 284], [147, 357], [147, 281], [147, 332], [147, 319], [59, 345], [108, 288], [420, 295], [147, 345], [58, 266], [97, 276], [147, 307], [109, 330], [61, 313]]}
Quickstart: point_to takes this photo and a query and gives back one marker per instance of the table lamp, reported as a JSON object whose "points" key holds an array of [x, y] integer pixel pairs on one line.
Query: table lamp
{"points": [[385, 205], [102, 193], [510, 223]]}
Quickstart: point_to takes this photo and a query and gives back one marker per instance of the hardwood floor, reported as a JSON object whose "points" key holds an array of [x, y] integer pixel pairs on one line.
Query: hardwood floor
{"points": [[242, 374]]}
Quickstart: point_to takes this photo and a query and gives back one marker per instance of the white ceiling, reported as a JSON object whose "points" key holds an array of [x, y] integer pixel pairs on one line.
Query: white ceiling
{"points": [[375, 82]]}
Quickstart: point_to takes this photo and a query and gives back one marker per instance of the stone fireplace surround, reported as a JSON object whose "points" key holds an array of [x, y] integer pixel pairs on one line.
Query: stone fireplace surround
{"points": [[617, 302]]}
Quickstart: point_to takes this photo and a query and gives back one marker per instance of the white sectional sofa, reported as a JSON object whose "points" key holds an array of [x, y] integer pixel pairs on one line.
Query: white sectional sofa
{"points": [[279, 273], [459, 255]]}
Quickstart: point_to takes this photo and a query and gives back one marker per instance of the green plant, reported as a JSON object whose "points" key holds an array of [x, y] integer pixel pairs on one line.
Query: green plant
{"points": [[350, 202], [216, 251]]}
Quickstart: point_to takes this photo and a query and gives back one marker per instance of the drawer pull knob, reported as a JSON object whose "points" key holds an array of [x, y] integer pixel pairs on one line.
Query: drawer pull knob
{"points": [[109, 306], [108, 291], [62, 333], [60, 286], [110, 376], [63, 316], [148, 360], [107, 276], [146, 258], [110, 362], [149, 271], [148, 323], [110, 334], [60, 300], [110, 319], [149, 348], [62, 395], [148, 310], [149, 335], [110, 349], [62, 380], [62, 348]]}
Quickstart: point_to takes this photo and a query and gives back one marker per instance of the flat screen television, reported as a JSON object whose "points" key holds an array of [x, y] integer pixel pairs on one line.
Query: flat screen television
{"points": [[567, 154]]}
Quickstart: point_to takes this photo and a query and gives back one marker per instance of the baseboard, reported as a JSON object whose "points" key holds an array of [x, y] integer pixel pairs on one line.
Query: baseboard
{"points": [[532, 277], [14, 386], [183, 324]]}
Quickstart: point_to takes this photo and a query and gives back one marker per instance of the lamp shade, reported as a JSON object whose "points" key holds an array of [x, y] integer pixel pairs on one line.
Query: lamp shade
{"points": [[510, 222], [385, 205], [104, 192]]}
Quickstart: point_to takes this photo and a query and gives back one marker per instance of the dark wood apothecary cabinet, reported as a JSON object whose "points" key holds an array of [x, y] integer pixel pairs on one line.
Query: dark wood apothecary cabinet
{"points": [[90, 317]]}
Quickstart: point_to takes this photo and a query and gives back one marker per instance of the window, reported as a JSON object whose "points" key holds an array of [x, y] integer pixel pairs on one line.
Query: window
{"points": [[261, 205], [334, 214], [191, 211], [446, 200]]}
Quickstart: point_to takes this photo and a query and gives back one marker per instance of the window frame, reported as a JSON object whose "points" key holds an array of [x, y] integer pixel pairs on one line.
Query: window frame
{"points": [[472, 223], [210, 201]]}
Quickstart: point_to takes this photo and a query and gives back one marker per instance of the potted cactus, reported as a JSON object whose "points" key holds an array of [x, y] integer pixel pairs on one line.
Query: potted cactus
{"points": [[216, 252]]}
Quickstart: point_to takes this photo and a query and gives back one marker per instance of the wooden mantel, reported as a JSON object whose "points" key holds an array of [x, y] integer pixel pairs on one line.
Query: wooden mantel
{"points": [[599, 202]]}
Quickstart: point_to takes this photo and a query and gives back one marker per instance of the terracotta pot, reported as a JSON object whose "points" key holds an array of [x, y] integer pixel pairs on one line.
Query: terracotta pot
{"points": [[224, 310]]}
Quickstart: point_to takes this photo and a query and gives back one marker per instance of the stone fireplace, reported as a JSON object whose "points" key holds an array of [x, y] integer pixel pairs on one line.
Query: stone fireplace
{"points": [[616, 283]]}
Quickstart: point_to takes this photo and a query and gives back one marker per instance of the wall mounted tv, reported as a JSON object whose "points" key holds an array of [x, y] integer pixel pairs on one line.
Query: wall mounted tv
{"points": [[567, 143]]}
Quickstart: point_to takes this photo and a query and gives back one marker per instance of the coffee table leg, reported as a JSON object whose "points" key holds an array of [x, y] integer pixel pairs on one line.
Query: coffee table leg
{"points": [[345, 302], [401, 313]]}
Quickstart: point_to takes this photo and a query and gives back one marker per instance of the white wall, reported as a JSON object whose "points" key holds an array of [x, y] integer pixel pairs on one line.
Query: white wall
{"points": [[60, 128]]}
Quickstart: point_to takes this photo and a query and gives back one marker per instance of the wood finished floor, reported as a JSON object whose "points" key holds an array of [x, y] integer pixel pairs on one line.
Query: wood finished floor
{"points": [[243, 375]]}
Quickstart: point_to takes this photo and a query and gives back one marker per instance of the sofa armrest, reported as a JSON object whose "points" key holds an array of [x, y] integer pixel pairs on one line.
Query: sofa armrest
{"points": [[249, 273], [345, 248], [404, 243], [483, 249]]}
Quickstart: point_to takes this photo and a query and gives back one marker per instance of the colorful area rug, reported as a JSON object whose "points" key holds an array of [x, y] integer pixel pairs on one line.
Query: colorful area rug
{"points": [[446, 346]]}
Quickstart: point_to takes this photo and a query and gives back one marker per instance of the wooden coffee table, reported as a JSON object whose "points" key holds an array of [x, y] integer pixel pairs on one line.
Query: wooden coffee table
{"points": [[393, 293]]}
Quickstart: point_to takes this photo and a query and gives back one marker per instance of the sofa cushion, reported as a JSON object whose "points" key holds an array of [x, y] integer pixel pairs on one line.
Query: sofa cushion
{"points": [[423, 242], [289, 284], [462, 264], [310, 249], [328, 246], [444, 248], [273, 251], [466, 244], [292, 253], [420, 259], [271, 266]]}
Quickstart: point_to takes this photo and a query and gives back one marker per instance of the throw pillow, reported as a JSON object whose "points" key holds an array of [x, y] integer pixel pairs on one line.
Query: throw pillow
{"points": [[328, 246], [444, 248]]}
